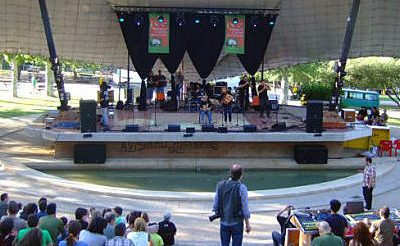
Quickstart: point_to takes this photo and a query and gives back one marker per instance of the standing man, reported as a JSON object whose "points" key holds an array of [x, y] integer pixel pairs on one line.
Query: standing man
{"points": [[368, 182], [337, 222], [263, 89], [231, 205], [104, 105], [244, 93], [3, 204], [226, 101]]}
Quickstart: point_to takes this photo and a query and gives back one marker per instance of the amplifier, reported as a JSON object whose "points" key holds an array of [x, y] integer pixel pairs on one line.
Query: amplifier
{"points": [[250, 128], [311, 154], [222, 129], [207, 128], [131, 128], [190, 130], [174, 128]]}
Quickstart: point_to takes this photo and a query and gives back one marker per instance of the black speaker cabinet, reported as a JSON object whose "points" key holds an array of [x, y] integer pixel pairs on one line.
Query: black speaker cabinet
{"points": [[90, 153], [190, 130], [311, 154], [207, 128], [249, 128], [222, 129], [174, 128], [314, 116], [132, 128], [88, 115]]}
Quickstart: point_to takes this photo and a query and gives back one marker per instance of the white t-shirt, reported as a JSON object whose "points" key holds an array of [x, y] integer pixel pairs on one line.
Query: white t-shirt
{"points": [[139, 238], [92, 239]]}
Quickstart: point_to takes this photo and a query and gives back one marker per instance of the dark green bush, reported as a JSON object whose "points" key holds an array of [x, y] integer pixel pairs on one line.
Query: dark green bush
{"points": [[317, 91]]}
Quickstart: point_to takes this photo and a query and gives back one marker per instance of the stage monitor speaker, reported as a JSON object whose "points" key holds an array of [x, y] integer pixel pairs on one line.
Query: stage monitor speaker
{"points": [[250, 128], [314, 116], [132, 128], [170, 105], [353, 207], [222, 129], [88, 115], [90, 153], [311, 154], [207, 128], [280, 126], [174, 128], [190, 130]]}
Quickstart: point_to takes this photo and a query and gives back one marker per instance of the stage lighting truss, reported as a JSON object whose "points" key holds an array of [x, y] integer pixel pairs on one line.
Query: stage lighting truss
{"points": [[214, 20], [180, 19]]}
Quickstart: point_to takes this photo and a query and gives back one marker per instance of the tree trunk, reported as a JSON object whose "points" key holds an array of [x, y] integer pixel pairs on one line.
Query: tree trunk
{"points": [[14, 76], [285, 86], [19, 71], [49, 80], [75, 74]]}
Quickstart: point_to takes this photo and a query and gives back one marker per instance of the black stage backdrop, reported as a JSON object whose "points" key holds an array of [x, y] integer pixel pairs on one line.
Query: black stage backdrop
{"points": [[135, 30], [204, 40], [258, 33]]}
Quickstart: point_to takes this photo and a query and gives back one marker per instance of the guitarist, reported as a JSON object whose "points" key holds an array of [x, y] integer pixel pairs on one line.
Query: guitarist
{"points": [[226, 101], [244, 93], [205, 109]]}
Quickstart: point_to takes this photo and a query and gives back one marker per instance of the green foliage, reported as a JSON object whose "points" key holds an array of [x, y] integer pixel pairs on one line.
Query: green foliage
{"points": [[316, 91]]}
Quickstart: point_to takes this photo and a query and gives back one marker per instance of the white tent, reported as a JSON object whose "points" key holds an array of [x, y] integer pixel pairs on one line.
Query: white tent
{"points": [[306, 30]]}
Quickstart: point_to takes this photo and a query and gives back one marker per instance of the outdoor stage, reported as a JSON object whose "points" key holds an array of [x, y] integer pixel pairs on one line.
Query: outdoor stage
{"points": [[152, 141]]}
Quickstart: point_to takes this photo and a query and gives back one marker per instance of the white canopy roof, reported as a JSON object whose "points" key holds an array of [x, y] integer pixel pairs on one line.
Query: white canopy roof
{"points": [[306, 30]]}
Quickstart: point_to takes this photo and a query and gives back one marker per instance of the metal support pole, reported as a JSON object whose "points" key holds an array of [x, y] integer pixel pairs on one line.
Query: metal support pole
{"points": [[55, 64], [341, 73]]}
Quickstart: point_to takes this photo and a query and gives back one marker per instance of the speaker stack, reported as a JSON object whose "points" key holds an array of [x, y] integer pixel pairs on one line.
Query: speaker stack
{"points": [[88, 115], [311, 154], [90, 153], [314, 116]]}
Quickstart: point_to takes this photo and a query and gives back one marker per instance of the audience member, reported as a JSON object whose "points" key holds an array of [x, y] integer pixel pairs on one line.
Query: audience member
{"points": [[152, 229], [369, 178], [50, 223], [93, 236], [19, 224], [167, 230], [74, 228], [284, 222], [384, 116], [118, 213], [3, 204], [42, 207], [131, 221], [119, 240], [139, 236], [383, 228], [337, 222], [30, 208], [7, 234], [64, 235], [82, 215], [109, 232], [106, 210], [362, 236], [33, 222], [32, 238], [326, 237]]}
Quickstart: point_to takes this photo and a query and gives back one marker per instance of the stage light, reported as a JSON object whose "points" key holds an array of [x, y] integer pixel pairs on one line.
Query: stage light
{"points": [[214, 20], [139, 20], [271, 23], [180, 20], [254, 21], [197, 21], [160, 19], [235, 21], [121, 19]]}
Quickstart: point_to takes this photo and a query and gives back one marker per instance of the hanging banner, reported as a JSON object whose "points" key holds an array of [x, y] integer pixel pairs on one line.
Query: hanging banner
{"points": [[234, 34], [159, 33]]}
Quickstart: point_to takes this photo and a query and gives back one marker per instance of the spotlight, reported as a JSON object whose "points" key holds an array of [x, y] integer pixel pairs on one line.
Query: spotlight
{"points": [[139, 20], [180, 20], [214, 20], [254, 21], [197, 21], [271, 23], [121, 19], [235, 21], [160, 19]]}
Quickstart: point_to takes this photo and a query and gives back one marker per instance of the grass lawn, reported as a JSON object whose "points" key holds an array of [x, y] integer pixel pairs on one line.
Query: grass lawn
{"points": [[384, 98], [15, 107], [394, 121]]}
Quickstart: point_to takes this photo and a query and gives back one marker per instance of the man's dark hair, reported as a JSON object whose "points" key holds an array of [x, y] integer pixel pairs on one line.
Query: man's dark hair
{"points": [[74, 227], [120, 230], [335, 205], [106, 210], [385, 211], [118, 211], [6, 226], [236, 172], [368, 159], [42, 204], [51, 209], [97, 225], [109, 217], [64, 220], [33, 220], [13, 207], [3, 196], [80, 213]]}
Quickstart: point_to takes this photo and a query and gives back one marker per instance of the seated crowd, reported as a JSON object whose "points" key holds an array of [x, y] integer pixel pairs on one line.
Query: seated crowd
{"points": [[333, 231], [37, 225], [373, 118]]}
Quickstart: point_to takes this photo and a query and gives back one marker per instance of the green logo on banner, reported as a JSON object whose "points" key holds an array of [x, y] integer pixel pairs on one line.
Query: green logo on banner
{"points": [[159, 33], [234, 34]]}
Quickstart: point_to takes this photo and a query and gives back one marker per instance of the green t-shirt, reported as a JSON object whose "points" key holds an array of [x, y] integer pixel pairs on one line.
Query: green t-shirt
{"points": [[53, 225], [46, 238], [156, 239], [327, 240]]}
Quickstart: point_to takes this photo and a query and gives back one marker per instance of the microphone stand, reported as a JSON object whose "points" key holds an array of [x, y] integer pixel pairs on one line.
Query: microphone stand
{"points": [[155, 112]]}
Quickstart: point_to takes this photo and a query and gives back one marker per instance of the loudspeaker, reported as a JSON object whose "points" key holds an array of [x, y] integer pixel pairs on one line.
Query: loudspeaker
{"points": [[278, 127], [90, 153], [250, 128], [311, 154], [170, 105], [207, 128], [314, 116], [174, 128], [132, 128], [190, 130], [222, 129], [353, 207], [88, 115]]}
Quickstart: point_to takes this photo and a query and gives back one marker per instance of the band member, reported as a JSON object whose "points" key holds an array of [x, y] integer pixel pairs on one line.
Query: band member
{"points": [[104, 105], [226, 101], [179, 84], [161, 82], [205, 109], [151, 83], [244, 93], [263, 89]]}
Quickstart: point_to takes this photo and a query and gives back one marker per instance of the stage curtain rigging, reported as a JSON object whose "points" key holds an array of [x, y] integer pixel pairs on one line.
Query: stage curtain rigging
{"points": [[258, 33], [205, 35]]}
